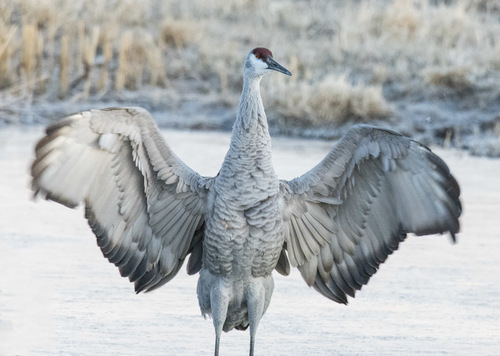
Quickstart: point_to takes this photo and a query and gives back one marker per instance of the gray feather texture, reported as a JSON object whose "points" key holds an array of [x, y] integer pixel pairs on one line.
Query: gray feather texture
{"points": [[336, 223], [110, 161], [388, 186]]}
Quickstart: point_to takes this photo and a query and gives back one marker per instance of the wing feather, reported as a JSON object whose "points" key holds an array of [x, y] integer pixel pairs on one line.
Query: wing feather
{"points": [[350, 212], [145, 206]]}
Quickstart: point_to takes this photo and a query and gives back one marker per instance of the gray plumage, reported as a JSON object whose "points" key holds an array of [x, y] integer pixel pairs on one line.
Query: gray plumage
{"points": [[149, 211]]}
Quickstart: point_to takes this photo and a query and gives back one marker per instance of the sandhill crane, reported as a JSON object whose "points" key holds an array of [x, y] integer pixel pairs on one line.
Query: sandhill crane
{"points": [[336, 223]]}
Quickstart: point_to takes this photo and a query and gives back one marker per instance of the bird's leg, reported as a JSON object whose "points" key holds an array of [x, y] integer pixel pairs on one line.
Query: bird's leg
{"points": [[252, 345], [254, 322], [255, 302], [219, 301], [218, 331], [217, 342]]}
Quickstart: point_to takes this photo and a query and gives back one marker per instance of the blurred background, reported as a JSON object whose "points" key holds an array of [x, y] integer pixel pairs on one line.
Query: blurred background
{"points": [[427, 68]]}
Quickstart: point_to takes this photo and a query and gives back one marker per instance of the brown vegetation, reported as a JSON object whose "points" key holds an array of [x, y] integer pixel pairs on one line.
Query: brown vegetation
{"points": [[350, 60]]}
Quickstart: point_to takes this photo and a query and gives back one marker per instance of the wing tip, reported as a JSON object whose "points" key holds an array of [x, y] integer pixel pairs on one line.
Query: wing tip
{"points": [[453, 237], [40, 193]]}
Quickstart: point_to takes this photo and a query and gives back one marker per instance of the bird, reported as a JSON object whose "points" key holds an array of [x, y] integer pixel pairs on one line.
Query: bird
{"points": [[336, 223]]}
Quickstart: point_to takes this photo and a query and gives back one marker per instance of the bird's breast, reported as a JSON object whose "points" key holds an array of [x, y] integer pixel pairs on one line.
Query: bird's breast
{"points": [[244, 227]]}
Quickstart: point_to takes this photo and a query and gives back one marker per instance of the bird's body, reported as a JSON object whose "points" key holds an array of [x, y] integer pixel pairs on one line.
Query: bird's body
{"points": [[149, 211], [244, 232]]}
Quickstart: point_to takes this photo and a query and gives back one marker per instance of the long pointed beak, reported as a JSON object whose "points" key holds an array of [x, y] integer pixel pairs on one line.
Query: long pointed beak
{"points": [[273, 65]]}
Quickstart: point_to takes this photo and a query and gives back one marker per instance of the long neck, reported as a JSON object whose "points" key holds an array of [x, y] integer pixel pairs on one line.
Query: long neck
{"points": [[250, 148], [250, 113]]}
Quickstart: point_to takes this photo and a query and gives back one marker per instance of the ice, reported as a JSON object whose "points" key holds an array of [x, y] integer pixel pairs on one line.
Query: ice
{"points": [[59, 296]]}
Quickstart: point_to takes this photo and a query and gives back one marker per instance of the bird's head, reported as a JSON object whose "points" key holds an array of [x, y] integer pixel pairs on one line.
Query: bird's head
{"points": [[260, 61]]}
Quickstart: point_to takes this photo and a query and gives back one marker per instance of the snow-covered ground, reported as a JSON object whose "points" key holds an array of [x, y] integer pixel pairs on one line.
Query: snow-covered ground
{"points": [[59, 296]]}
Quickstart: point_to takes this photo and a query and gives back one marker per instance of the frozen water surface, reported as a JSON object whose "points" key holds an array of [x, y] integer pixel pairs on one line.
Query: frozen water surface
{"points": [[59, 296]]}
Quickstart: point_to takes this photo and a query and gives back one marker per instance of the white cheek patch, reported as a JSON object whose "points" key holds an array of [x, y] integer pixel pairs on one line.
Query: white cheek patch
{"points": [[258, 64]]}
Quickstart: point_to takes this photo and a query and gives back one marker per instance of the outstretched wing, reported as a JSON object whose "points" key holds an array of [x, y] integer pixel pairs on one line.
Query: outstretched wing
{"points": [[345, 216], [145, 206]]}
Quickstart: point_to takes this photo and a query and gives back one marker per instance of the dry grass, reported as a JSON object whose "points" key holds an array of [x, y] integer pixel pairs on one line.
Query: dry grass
{"points": [[177, 33], [334, 99], [64, 66], [350, 60], [454, 78]]}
